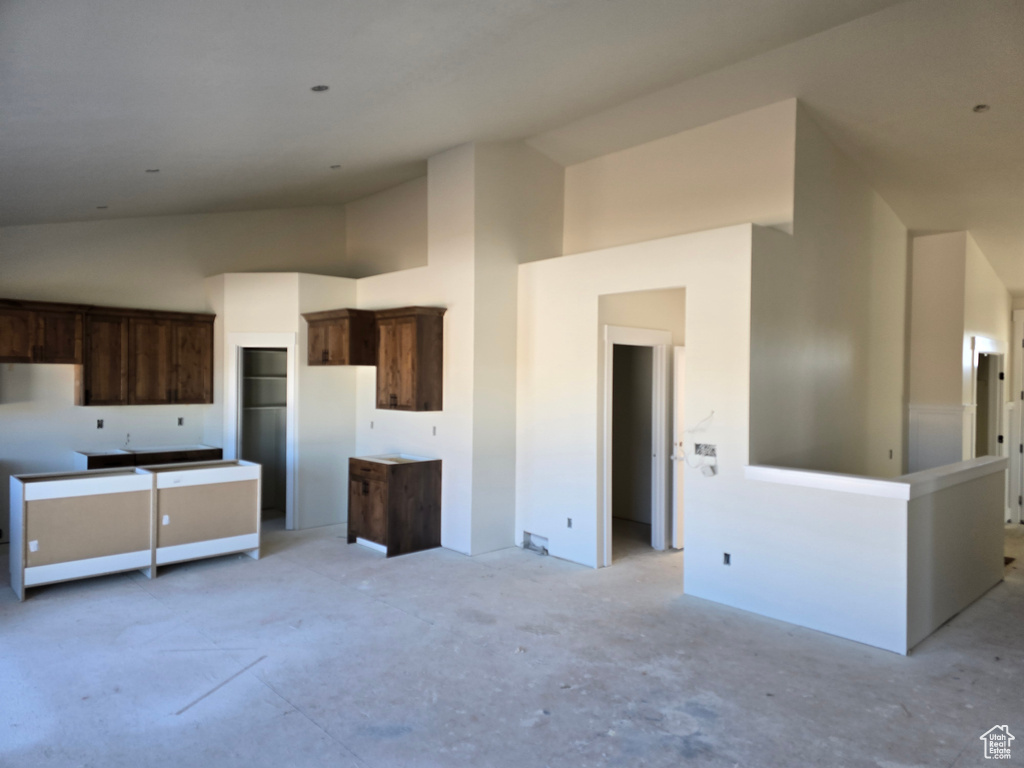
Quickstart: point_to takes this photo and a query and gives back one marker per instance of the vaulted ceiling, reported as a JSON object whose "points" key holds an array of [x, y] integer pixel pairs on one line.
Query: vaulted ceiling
{"points": [[217, 96]]}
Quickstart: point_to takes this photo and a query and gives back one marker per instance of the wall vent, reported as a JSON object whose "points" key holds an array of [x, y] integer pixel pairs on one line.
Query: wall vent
{"points": [[535, 543]]}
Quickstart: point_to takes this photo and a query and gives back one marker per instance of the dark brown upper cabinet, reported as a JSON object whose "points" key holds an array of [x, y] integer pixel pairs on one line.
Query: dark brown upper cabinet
{"points": [[59, 336], [150, 368], [342, 337], [410, 358], [17, 335], [37, 332], [192, 360], [126, 356], [104, 375]]}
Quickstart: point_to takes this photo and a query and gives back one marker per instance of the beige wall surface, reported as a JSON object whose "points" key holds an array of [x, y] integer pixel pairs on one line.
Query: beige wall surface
{"points": [[387, 231], [732, 171], [937, 319], [663, 310], [160, 263], [828, 320]]}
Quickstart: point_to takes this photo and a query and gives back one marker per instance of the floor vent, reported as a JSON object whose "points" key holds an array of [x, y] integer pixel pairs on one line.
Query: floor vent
{"points": [[535, 543]]}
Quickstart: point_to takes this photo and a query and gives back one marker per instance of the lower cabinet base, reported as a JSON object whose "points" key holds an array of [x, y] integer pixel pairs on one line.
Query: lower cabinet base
{"points": [[94, 566], [248, 543], [372, 545]]}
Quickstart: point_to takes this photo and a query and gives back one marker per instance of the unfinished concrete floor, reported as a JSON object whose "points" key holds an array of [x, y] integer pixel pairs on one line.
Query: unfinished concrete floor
{"points": [[324, 654]]}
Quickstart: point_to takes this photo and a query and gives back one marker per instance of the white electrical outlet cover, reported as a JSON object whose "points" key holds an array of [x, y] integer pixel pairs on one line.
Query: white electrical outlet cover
{"points": [[167, 519], [33, 546], [708, 471]]}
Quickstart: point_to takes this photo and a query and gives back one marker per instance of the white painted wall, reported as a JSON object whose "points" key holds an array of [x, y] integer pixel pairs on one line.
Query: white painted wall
{"points": [[662, 310], [828, 319], [160, 263], [387, 231], [273, 303], [736, 170], [448, 280], [955, 297], [559, 364]]}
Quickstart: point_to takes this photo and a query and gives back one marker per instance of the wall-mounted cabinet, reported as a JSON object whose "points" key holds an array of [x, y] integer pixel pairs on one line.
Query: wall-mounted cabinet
{"points": [[127, 356], [342, 337], [410, 358], [39, 333]]}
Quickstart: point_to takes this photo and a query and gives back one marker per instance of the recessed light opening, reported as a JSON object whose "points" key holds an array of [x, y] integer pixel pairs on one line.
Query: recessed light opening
{"points": [[335, 167], [982, 108], [101, 207], [152, 170], [319, 88]]}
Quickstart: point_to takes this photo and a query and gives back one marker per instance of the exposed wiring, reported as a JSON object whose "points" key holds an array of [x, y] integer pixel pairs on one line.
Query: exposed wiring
{"points": [[698, 427]]}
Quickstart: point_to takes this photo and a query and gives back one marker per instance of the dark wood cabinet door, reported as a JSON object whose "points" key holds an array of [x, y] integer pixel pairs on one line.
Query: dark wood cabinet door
{"points": [[150, 370], [105, 361], [192, 352], [17, 335], [396, 364], [58, 337], [328, 342], [318, 343], [367, 510]]}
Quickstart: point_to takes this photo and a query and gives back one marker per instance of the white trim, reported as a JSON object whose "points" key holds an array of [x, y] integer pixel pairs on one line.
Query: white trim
{"points": [[903, 488], [830, 481], [86, 485], [661, 449], [372, 545], [233, 472], [234, 344], [210, 548], [938, 479], [1017, 419], [93, 566], [635, 337]]}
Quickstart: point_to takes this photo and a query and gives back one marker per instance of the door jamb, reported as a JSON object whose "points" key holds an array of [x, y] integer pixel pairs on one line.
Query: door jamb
{"points": [[234, 344], [661, 344]]}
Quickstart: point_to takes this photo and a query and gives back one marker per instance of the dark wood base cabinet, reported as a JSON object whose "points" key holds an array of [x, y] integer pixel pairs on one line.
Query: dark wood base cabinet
{"points": [[395, 501]]}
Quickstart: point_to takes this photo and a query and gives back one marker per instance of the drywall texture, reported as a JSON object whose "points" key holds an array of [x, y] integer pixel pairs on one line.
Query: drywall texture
{"points": [[828, 318], [490, 207], [937, 319], [558, 444], [732, 171], [987, 307], [958, 307], [387, 231], [663, 310], [160, 263], [447, 281], [272, 303]]}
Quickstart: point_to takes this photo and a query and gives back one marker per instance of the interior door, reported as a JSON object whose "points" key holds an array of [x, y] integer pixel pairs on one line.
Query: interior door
{"points": [[678, 443]]}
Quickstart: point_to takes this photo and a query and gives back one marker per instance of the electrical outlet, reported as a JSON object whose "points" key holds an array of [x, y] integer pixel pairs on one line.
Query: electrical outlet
{"points": [[568, 522], [705, 449], [181, 421], [435, 431], [726, 558], [371, 425], [99, 423]]}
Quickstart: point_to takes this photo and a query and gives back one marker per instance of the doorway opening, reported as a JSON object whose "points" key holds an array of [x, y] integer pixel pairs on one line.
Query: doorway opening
{"points": [[987, 411], [263, 426], [632, 457], [638, 508]]}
